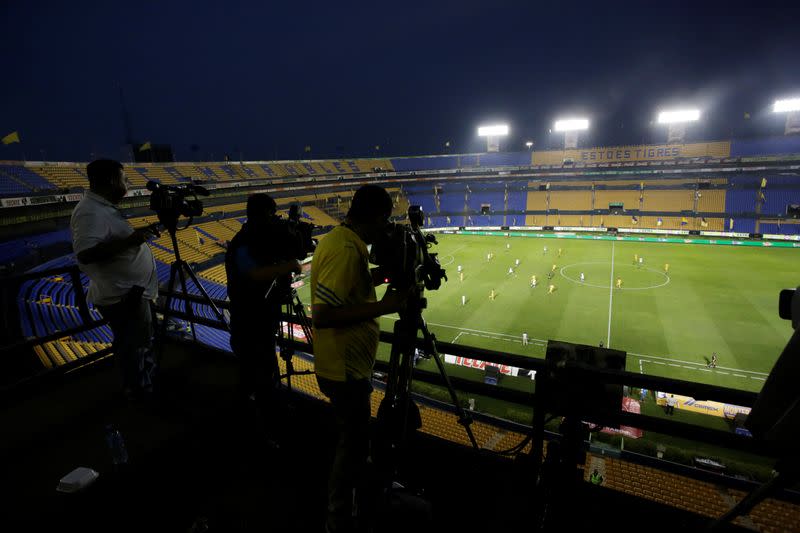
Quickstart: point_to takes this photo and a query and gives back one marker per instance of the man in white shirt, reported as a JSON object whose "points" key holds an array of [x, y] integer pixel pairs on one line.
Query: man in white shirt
{"points": [[121, 270]]}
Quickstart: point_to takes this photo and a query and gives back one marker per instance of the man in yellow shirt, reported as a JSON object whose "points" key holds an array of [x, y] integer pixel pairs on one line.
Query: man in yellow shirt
{"points": [[345, 311]]}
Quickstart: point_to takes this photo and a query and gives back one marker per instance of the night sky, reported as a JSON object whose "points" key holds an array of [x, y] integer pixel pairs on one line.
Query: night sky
{"points": [[261, 80]]}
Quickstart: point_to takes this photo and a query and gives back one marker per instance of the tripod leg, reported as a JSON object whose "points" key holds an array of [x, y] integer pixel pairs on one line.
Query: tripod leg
{"points": [[463, 417], [162, 330], [187, 305], [287, 351], [206, 297], [300, 313], [387, 453]]}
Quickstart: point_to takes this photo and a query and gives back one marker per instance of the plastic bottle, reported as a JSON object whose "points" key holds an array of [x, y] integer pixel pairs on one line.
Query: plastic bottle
{"points": [[116, 446]]}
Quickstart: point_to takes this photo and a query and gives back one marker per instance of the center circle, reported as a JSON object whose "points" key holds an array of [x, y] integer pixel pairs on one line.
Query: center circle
{"points": [[597, 275]]}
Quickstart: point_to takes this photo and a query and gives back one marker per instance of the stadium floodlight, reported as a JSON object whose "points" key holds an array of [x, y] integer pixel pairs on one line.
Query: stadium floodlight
{"points": [[493, 131], [786, 106], [572, 124], [680, 115]]}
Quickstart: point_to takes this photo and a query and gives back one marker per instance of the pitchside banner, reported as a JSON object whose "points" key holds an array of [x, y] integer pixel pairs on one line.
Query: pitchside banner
{"points": [[619, 154], [687, 403], [629, 405], [562, 235], [481, 365]]}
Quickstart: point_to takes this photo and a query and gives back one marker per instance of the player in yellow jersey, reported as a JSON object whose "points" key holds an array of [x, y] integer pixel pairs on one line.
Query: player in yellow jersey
{"points": [[533, 282], [554, 267], [551, 289], [619, 283], [559, 252], [492, 295], [666, 268], [461, 276]]}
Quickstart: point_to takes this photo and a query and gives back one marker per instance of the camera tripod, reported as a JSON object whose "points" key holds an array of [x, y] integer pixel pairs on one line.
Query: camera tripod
{"points": [[294, 310], [397, 413], [179, 269]]}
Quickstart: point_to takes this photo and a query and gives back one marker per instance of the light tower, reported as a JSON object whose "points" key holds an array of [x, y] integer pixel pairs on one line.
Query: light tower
{"points": [[791, 107], [493, 134], [676, 121], [571, 128]]}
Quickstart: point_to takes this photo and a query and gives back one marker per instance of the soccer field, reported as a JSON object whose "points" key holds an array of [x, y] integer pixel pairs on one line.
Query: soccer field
{"points": [[714, 298]]}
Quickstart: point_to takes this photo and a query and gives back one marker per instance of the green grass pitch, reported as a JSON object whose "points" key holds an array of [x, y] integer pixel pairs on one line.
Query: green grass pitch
{"points": [[715, 298]]}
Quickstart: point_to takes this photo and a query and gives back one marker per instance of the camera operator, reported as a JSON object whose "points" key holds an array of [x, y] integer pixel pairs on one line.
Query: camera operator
{"points": [[345, 311], [121, 270], [256, 264]]}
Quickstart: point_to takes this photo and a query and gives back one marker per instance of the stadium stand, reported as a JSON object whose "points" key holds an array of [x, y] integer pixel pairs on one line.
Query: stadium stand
{"points": [[22, 180], [571, 200], [73, 177], [682, 200], [604, 197], [537, 199], [319, 217], [711, 201]]}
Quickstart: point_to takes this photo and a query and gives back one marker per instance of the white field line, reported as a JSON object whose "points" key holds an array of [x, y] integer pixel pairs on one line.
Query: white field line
{"points": [[643, 358], [610, 295]]}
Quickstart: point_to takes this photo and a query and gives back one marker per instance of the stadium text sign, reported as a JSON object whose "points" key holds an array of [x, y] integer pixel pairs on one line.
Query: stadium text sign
{"points": [[651, 152]]}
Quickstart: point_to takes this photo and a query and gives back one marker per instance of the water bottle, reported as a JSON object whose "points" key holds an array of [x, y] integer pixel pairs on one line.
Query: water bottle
{"points": [[116, 446]]}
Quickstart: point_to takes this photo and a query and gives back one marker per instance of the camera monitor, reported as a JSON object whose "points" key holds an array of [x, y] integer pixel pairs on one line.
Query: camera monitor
{"points": [[584, 394]]}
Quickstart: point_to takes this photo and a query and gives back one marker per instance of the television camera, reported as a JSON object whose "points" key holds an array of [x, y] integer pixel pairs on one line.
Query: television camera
{"points": [[406, 263], [292, 237], [170, 202], [403, 256]]}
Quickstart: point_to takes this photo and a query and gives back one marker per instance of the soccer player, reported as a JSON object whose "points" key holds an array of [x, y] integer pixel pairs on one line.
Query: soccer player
{"points": [[510, 270], [641, 262], [459, 268], [461, 276], [554, 267], [582, 277], [544, 252], [619, 283], [524, 339], [635, 259], [551, 289], [492, 295], [550, 275], [559, 252], [516, 262], [463, 300], [713, 363], [488, 257], [666, 268], [533, 281], [508, 246]]}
